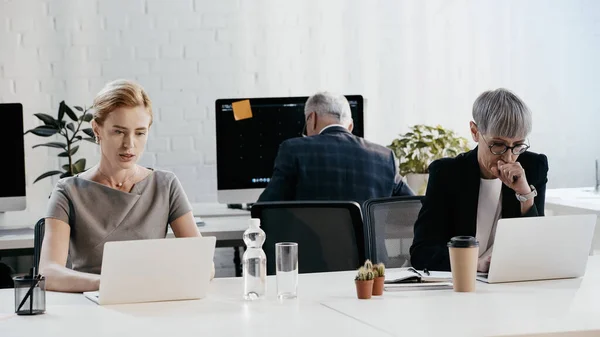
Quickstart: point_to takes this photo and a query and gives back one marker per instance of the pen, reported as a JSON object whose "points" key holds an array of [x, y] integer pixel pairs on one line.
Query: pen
{"points": [[33, 277]]}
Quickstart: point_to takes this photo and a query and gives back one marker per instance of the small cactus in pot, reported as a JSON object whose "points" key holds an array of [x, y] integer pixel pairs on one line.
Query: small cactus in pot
{"points": [[364, 283], [379, 271]]}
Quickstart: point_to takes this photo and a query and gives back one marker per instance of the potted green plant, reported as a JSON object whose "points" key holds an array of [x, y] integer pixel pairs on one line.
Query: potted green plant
{"points": [[378, 281], [422, 145], [364, 283], [72, 131]]}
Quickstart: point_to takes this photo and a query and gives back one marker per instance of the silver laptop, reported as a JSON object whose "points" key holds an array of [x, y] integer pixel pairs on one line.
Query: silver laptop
{"points": [[540, 248], [155, 270]]}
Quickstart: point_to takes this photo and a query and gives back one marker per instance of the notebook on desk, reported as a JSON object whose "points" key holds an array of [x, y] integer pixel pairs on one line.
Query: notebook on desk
{"points": [[412, 279]]}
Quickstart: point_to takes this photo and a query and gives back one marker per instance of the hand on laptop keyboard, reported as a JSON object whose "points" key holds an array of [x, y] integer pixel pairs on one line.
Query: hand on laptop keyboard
{"points": [[483, 264]]}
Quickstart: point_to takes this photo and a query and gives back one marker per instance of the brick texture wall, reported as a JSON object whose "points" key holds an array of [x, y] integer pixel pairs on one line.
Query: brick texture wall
{"points": [[415, 62]]}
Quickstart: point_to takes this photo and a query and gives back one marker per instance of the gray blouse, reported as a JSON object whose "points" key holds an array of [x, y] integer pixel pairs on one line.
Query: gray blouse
{"points": [[98, 213]]}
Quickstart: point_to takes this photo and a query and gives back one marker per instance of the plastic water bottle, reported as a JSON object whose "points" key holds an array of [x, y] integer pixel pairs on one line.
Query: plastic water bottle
{"points": [[254, 262]]}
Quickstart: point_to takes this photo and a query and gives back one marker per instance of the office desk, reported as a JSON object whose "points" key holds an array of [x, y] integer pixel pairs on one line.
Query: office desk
{"points": [[327, 305], [227, 230], [494, 310], [227, 225], [585, 200], [565, 199]]}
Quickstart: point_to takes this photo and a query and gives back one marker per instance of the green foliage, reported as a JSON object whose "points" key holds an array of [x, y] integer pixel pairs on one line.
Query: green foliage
{"points": [[423, 144], [72, 132], [364, 274]]}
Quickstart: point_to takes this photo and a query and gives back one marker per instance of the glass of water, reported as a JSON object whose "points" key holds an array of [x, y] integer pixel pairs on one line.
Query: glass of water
{"points": [[286, 260]]}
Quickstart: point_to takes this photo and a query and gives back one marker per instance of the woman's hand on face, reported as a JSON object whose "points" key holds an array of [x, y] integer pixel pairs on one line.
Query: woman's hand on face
{"points": [[513, 176]]}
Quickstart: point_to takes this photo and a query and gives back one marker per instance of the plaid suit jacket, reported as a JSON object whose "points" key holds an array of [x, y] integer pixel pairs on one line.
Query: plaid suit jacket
{"points": [[334, 165]]}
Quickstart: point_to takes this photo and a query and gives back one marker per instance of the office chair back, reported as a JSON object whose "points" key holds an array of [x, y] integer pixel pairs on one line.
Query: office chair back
{"points": [[390, 222], [38, 238], [330, 234]]}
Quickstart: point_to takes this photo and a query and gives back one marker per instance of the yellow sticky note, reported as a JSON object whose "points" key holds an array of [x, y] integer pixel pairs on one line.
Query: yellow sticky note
{"points": [[241, 110]]}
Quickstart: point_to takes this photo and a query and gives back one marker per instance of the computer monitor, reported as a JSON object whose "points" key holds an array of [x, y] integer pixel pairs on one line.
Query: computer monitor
{"points": [[247, 147], [12, 193]]}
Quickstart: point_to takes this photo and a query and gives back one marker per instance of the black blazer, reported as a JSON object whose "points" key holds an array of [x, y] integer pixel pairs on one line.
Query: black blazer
{"points": [[334, 165], [450, 204]]}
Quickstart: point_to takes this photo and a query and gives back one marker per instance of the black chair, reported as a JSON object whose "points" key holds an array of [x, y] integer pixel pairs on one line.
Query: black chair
{"points": [[330, 234], [6, 280], [390, 222], [6, 271], [38, 237]]}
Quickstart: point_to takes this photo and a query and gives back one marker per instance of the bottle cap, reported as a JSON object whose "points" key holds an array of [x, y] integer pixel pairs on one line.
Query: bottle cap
{"points": [[254, 222]]}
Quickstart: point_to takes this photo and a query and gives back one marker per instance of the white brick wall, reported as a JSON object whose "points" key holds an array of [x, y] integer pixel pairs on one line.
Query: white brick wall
{"points": [[169, 7], [415, 61]]}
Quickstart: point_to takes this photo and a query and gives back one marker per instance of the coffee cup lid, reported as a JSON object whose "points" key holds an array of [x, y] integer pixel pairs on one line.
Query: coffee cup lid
{"points": [[463, 242]]}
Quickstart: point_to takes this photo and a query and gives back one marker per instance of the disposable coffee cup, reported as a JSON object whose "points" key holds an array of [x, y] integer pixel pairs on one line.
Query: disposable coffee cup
{"points": [[464, 252]]}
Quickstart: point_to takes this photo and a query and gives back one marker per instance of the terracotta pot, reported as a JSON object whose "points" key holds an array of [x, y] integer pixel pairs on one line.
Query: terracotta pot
{"points": [[378, 286], [364, 289]]}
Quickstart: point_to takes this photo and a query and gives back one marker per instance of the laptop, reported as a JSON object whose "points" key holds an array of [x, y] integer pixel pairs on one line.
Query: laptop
{"points": [[540, 248], [155, 270]]}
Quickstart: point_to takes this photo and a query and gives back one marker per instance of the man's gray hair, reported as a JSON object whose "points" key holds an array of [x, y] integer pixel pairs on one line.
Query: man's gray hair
{"points": [[500, 113], [326, 103]]}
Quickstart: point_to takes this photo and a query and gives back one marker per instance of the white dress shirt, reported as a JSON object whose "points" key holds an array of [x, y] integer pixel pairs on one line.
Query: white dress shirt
{"points": [[330, 126], [489, 210]]}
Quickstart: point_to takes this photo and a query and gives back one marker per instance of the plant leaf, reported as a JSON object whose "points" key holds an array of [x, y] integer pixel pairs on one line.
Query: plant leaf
{"points": [[47, 174], [71, 114], [91, 140], [52, 144], [89, 132], [79, 166], [43, 131], [423, 144], [87, 117], [74, 150], [61, 111], [66, 174], [66, 109], [78, 108], [64, 154], [47, 119], [71, 127], [65, 167]]}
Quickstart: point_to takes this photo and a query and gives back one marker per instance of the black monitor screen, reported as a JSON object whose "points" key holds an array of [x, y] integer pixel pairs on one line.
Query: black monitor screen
{"points": [[11, 138], [247, 147]]}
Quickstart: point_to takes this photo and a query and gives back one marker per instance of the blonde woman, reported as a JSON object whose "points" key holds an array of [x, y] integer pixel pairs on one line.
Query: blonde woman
{"points": [[115, 200]]}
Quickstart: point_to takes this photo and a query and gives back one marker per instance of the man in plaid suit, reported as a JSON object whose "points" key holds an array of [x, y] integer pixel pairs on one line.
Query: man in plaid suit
{"points": [[331, 163]]}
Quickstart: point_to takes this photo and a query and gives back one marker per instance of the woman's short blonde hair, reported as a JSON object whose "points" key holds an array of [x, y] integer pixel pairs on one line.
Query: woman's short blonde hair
{"points": [[118, 94]]}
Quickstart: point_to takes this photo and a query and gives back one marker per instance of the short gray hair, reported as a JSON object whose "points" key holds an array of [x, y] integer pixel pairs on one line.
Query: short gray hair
{"points": [[501, 113], [326, 103]]}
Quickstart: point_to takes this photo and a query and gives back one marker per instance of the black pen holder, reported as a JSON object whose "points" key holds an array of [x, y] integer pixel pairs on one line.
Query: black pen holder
{"points": [[30, 295]]}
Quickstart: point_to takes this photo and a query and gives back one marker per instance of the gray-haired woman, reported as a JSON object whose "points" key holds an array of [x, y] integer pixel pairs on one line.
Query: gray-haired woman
{"points": [[467, 195]]}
